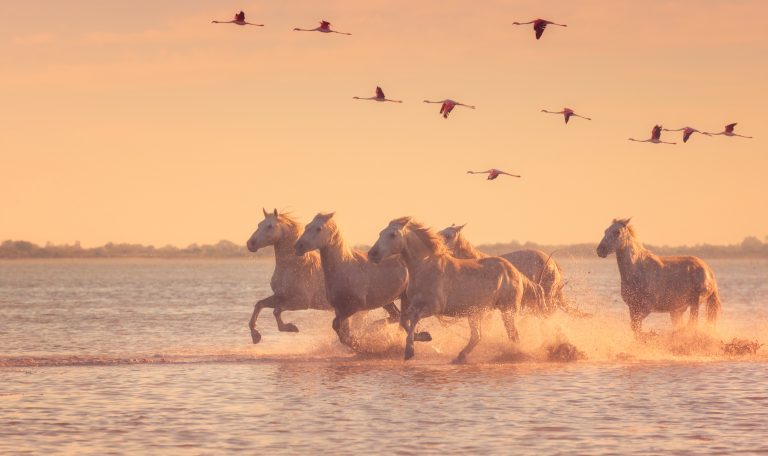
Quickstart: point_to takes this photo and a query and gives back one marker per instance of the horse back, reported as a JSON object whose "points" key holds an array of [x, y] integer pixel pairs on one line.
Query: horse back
{"points": [[688, 270]]}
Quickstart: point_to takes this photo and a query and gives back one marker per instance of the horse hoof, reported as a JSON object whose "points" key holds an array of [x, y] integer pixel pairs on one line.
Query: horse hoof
{"points": [[290, 327], [423, 336], [459, 360], [408, 353], [255, 336]]}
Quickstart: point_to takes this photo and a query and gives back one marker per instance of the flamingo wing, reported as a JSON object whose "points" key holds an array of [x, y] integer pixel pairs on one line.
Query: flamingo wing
{"points": [[379, 93], [729, 128], [240, 16], [567, 115], [325, 24], [687, 134], [656, 132], [539, 25]]}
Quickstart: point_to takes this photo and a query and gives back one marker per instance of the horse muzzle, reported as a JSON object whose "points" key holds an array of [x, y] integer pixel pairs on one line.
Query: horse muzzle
{"points": [[374, 255], [301, 249]]}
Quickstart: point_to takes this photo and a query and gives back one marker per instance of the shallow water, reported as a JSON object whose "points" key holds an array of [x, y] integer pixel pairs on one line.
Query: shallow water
{"points": [[154, 356]]}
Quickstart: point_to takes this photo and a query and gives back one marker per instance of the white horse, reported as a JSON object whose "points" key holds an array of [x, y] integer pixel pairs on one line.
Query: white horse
{"points": [[297, 283], [650, 283]]}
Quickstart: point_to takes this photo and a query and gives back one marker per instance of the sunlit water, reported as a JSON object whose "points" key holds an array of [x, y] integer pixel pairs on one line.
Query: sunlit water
{"points": [[155, 357]]}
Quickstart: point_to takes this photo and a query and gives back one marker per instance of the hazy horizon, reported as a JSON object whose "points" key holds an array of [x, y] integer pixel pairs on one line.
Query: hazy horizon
{"points": [[143, 123]]}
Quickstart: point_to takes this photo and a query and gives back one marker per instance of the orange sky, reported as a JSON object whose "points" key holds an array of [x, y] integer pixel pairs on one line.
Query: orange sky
{"points": [[142, 122]]}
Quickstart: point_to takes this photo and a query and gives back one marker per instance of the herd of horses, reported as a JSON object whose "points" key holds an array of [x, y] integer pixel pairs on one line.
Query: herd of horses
{"points": [[440, 273]]}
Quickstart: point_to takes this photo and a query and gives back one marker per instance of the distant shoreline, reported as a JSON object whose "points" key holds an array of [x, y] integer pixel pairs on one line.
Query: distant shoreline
{"points": [[750, 247]]}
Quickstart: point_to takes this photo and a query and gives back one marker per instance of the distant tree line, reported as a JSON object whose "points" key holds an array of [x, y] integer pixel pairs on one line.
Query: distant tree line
{"points": [[750, 247]]}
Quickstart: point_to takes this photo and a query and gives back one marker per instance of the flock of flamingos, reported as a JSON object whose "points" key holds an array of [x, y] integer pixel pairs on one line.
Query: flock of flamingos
{"points": [[447, 105], [440, 273]]}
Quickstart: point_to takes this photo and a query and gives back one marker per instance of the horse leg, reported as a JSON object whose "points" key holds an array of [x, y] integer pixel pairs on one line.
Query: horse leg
{"points": [[475, 321], [693, 318], [636, 317], [271, 302], [341, 326], [393, 311], [413, 318], [422, 336], [508, 316], [282, 326], [677, 319]]}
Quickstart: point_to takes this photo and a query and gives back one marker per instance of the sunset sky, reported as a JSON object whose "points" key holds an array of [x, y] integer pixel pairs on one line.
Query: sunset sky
{"points": [[143, 122]]}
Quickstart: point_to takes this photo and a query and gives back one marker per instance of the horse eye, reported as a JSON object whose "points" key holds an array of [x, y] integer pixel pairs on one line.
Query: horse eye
{"points": [[270, 227], [392, 235], [318, 229]]}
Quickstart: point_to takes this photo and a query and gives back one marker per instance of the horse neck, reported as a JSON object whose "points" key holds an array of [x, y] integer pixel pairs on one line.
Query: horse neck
{"points": [[285, 250], [629, 257], [334, 253], [415, 252], [465, 249]]}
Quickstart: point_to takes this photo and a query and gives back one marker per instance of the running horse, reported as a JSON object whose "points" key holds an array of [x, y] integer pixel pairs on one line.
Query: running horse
{"points": [[353, 283], [441, 284], [297, 283]]}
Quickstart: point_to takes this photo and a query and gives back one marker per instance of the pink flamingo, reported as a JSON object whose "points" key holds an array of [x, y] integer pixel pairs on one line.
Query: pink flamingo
{"points": [[238, 20], [493, 173], [687, 132], [539, 25], [379, 97], [655, 137], [566, 112], [447, 106], [325, 27], [728, 132]]}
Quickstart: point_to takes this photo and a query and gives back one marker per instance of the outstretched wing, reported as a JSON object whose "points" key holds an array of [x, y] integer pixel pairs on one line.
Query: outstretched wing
{"points": [[729, 128], [379, 92], [687, 134], [567, 115], [656, 132], [240, 16], [325, 24], [539, 25]]}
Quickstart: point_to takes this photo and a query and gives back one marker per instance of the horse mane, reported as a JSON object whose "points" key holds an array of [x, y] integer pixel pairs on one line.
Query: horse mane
{"points": [[287, 218], [428, 237], [632, 240], [465, 249], [347, 253], [311, 259]]}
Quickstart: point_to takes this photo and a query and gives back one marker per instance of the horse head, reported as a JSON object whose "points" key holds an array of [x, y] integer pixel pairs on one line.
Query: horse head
{"points": [[616, 236], [451, 235], [317, 234], [268, 232], [391, 240]]}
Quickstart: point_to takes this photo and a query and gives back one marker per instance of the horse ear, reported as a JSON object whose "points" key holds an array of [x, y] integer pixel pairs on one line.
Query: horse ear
{"points": [[327, 216], [275, 212], [264, 211], [460, 227], [625, 222]]}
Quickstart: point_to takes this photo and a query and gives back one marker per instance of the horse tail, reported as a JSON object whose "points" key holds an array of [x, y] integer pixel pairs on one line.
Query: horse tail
{"points": [[714, 306], [544, 266]]}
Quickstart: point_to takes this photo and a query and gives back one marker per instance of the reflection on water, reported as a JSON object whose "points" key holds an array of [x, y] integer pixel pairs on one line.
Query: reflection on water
{"points": [[155, 356]]}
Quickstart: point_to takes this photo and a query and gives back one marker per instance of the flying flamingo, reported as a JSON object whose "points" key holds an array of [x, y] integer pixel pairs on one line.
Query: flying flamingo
{"points": [[655, 137], [539, 25], [566, 112], [325, 27], [379, 97], [728, 132], [493, 173], [447, 106], [238, 20], [687, 132]]}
